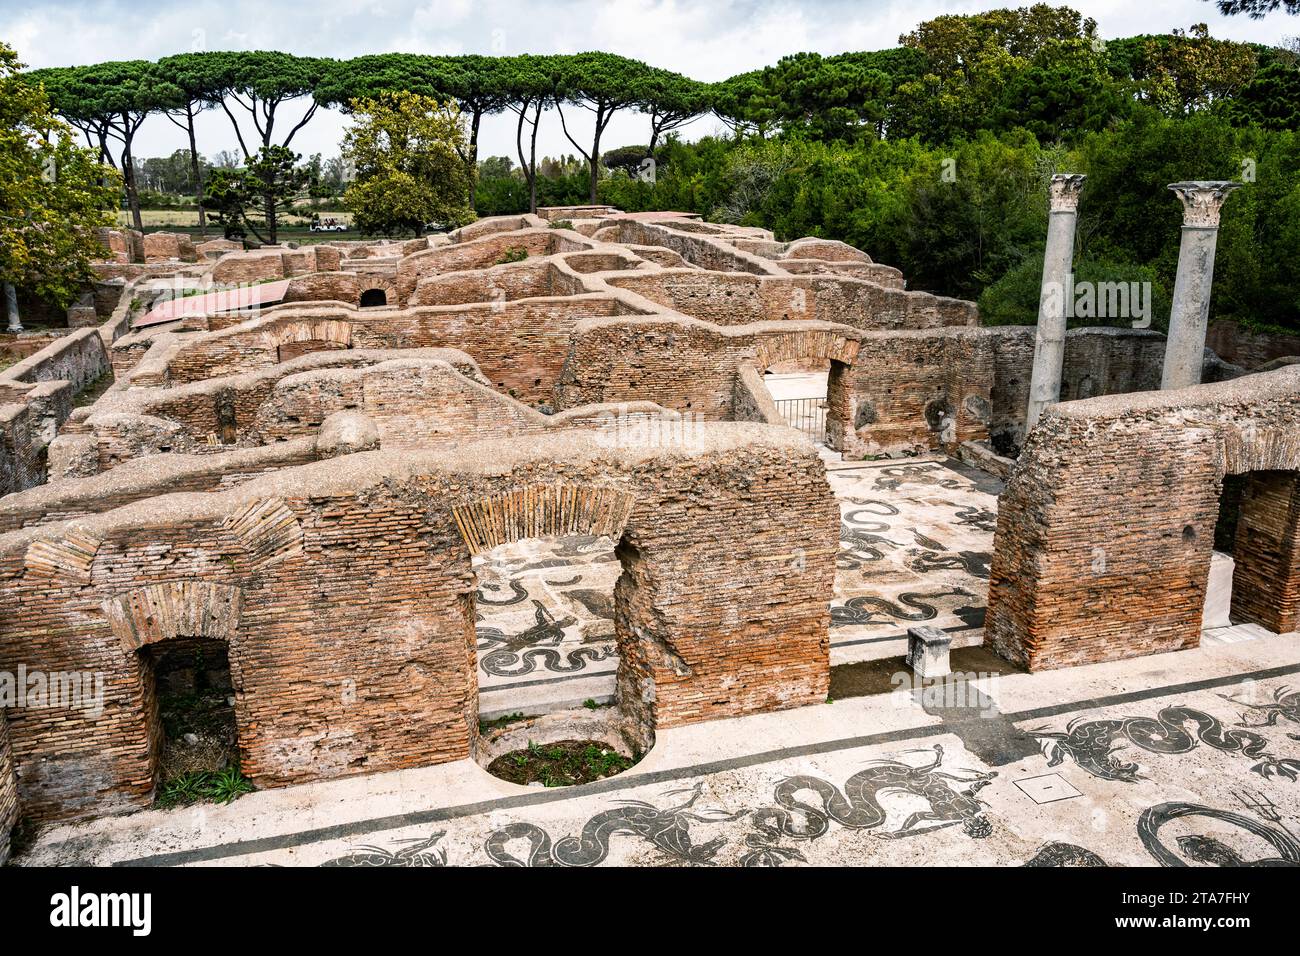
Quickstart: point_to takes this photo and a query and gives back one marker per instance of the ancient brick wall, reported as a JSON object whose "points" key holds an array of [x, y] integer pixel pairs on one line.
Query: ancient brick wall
{"points": [[413, 403], [1248, 348], [325, 287], [1098, 361], [688, 366], [480, 253], [1266, 576], [345, 597], [704, 251], [520, 346], [165, 246], [36, 396], [8, 791], [145, 478], [912, 391], [1106, 526]]}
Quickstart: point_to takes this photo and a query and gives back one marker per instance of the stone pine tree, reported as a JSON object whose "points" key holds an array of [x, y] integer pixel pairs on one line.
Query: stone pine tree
{"points": [[262, 84], [671, 101], [531, 81], [1257, 9], [604, 84], [407, 151], [197, 89], [271, 182], [54, 194], [113, 99]]}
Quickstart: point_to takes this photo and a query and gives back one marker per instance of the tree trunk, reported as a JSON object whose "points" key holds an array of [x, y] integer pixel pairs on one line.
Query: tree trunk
{"points": [[268, 206], [128, 176], [595, 161], [532, 161], [11, 306], [194, 169], [471, 159]]}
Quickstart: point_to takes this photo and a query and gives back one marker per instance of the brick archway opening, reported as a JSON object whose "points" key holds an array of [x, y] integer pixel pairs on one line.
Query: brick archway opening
{"points": [[550, 566], [806, 373], [373, 298], [190, 709], [178, 633], [1255, 566]]}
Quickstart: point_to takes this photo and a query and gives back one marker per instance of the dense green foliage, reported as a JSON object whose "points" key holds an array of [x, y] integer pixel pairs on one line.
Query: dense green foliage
{"points": [[932, 155], [53, 193], [408, 152]]}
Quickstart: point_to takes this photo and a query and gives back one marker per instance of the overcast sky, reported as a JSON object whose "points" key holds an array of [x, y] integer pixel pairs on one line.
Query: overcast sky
{"points": [[706, 39]]}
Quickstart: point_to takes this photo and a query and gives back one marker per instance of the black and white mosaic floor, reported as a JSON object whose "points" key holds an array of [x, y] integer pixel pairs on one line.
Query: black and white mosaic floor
{"points": [[916, 538], [545, 623], [1188, 759], [915, 541]]}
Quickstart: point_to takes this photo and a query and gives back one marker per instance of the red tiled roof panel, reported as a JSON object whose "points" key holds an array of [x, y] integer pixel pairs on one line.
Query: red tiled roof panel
{"points": [[223, 300]]}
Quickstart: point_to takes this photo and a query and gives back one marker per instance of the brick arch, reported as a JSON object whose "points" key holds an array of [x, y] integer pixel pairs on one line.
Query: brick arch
{"points": [[804, 344], [337, 331], [158, 612], [1249, 446], [543, 511]]}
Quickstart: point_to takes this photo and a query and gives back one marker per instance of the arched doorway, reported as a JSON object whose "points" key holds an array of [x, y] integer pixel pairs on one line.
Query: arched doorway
{"points": [[547, 650], [372, 298], [806, 373], [1255, 566], [179, 634]]}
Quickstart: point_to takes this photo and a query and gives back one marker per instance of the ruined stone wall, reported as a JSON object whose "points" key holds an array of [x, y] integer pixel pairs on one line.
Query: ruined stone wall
{"points": [[913, 391], [520, 346], [36, 398], [1098, 361], [1106, 526], [413, 403], [687, 366], [704, 251], [143, 478], [481, 253], [8, 791], [1248, 348], [325, 287], [345, 595], [1266, 576], [530, 278]]}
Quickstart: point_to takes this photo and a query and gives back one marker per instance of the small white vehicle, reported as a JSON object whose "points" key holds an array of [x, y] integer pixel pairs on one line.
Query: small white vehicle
{"points": [[329, 224]]}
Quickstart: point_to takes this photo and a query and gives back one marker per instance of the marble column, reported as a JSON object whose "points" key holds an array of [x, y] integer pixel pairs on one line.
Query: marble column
{"points": [[1049, 343], [11, 307], [1185, 348]]}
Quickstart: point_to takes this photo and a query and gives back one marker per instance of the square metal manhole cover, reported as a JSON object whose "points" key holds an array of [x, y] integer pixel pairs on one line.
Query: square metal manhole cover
{"points": [[1048, 788]]}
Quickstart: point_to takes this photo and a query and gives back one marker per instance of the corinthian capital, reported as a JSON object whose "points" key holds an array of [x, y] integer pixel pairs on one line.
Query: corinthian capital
{"points": [[1202, 200], [1064, 191]]}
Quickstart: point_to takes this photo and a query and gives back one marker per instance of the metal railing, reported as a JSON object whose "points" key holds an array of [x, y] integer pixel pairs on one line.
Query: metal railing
{"points": [[806, 414]]}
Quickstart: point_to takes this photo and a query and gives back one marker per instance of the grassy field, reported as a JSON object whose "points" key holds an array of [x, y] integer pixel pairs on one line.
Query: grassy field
{"points": [[182, 218]]}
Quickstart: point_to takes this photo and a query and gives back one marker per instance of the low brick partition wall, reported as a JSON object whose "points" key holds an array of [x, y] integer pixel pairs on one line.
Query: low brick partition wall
{"points": [[521, 346], [350, 656], [1106, 526], [126, 424], [36, 398], [148, 477]]}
